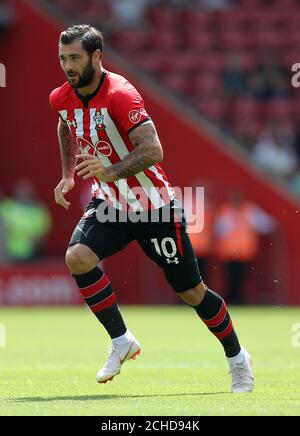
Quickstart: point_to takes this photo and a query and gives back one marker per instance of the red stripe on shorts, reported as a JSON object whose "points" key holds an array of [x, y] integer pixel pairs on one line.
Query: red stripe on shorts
{"points": [[178, 237]]}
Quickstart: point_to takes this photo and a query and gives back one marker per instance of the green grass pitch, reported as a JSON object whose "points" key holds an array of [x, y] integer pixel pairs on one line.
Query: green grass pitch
{"points": [[51, 357]]}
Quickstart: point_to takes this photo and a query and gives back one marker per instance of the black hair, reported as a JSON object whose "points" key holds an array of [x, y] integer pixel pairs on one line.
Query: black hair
{"points": [[91, 38]]}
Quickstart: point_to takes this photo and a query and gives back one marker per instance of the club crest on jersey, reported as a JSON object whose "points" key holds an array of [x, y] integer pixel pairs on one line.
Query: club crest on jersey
{"points": [[99, 121]]}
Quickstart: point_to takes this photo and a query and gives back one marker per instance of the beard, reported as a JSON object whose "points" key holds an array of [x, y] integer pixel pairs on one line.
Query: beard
{"points": [[85, 78]]}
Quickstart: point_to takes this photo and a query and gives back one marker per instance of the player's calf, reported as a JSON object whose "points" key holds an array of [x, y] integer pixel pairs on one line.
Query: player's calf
{"points": [[98, 294], [212, 310], [194, 296]]}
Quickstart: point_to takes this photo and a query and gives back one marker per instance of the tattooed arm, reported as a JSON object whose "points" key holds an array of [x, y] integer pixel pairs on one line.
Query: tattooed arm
{"points": [[147, 151], [68, 151]]}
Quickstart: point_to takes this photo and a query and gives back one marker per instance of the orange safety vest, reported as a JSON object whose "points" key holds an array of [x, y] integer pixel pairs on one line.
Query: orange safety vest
{"points": [[202, 241], [241, 242]]}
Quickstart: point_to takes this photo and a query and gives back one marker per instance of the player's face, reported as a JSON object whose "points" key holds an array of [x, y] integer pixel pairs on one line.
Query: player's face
{"points": [[77, 64]]}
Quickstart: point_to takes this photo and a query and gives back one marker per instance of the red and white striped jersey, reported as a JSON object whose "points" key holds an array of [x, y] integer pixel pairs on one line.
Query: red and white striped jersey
{"points": [[101, 124]]}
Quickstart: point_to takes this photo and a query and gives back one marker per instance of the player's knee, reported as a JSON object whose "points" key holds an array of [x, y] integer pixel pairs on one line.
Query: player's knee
{"points": [[80, 259], [194, 296]]}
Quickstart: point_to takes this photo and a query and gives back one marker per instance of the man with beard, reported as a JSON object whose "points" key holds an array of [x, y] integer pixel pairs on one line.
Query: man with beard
{"points": [[104, 126]]}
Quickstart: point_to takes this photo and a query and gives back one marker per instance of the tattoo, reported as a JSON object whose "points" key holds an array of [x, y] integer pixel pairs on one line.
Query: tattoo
{"points": [[68, 150], [147, 152]]}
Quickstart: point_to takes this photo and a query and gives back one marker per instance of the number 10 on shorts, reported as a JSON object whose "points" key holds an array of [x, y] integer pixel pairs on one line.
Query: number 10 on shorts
{"points": [[167, 247]]}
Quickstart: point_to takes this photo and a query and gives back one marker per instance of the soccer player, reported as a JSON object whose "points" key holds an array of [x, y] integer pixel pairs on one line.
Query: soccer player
{"points": [[106, 134]]}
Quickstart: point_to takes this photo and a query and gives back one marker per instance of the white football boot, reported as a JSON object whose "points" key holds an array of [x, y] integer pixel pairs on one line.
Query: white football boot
{"points": [[119, 352], [240, 368]]}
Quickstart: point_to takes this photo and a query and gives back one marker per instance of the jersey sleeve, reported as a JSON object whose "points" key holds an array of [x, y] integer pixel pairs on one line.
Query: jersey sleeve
{"points": [[127, 108], [53, 100]]}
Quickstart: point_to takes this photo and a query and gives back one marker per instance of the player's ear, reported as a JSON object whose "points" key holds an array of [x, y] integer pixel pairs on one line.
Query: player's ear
{"points": [[97, 55]]}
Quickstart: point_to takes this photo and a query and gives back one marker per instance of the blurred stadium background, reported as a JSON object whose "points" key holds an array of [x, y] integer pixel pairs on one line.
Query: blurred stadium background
{"points": [[216, 79]]}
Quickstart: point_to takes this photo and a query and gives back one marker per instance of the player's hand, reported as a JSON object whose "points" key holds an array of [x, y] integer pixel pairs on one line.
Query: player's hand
{"points": [[64, 186], [92, 167]]}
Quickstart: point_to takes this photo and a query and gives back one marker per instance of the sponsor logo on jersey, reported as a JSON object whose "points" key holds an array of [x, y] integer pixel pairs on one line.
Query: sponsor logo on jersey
{"points": [[104, 148], [83, 144], [135, 115], [99, 121]]}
